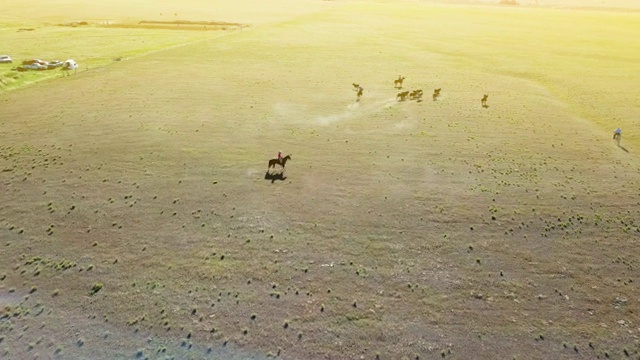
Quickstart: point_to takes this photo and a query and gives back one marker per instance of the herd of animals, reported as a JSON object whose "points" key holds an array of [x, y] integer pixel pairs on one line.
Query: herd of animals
{"points": [[411, 95], [401, 96]]}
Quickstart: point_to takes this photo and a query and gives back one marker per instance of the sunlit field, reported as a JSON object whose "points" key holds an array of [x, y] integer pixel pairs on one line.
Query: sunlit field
{"points": [[138, 218]]}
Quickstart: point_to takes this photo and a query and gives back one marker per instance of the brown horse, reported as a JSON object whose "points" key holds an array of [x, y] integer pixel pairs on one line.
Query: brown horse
{"points": [[274, 162], [436, 93], [398, 82], [402, 95], [483, 101], [416, 94]]}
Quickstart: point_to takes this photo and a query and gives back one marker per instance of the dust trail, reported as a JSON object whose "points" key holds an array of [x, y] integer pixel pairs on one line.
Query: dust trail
{"points": [[293, 112], [358, 108]]}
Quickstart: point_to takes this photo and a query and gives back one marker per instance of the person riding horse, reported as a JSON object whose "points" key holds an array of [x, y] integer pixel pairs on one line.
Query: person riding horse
{"points": [[617, 135], [280, 160]]}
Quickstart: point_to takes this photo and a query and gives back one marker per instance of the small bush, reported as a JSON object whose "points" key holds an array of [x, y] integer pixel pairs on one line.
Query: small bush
{"points": [[96, 287]]}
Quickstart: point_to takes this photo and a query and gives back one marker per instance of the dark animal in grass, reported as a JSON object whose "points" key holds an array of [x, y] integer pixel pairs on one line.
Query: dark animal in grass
{"points": [[483, 101], [398, 82], [415, 94]]}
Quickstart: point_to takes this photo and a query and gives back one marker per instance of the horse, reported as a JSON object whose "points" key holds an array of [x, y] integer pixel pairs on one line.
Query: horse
{"points": [[356, 86], [398, 82], [483, 101], [436, 93], [416, 94], [360, 90], [402, 95], [274, 162]]}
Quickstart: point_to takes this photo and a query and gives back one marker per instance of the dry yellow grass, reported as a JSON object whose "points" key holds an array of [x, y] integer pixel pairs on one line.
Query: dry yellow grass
{"points": [[136, 220]]}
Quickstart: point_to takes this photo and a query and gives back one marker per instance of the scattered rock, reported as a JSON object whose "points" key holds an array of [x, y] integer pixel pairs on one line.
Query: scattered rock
{"points": [[619, 301]]}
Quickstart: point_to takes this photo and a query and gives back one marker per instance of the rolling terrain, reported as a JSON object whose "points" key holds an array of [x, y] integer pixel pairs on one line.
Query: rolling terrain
{"points": [[137, 219]]}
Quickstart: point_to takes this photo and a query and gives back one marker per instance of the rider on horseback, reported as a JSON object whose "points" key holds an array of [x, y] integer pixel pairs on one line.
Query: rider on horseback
{"points": [[617, 134], [280, 157]]}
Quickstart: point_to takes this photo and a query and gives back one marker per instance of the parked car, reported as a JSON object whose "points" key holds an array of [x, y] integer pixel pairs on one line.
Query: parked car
{"points": [[34, 61], [70, 65], [54, 64], [5, 59], [35, 66]]}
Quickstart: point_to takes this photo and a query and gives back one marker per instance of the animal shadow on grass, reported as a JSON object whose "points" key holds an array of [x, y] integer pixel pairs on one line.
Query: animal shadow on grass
{"points": [[274, 176], [623, 148], [485, 106]]}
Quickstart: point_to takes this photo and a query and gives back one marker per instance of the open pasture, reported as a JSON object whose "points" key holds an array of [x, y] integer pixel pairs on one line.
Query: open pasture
{"points": [[137, 220]]}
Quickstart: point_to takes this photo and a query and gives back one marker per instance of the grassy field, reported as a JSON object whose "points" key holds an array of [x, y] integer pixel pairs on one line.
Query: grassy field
{"points": [[137, 220], [117, 30]]}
